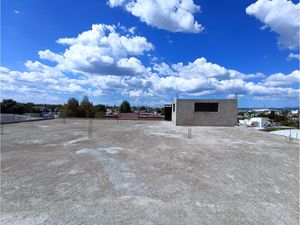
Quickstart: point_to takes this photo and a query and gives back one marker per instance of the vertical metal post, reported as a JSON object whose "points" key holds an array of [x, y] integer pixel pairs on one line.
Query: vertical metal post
{"points": [[189, 133], [90, 128], [290, 136], [119, 122]]}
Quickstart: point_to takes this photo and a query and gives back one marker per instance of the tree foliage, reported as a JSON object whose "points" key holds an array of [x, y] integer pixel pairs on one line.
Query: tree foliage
{"points": [[86, 108], [125, 107], [241, 113], [262, 115], [12, 107], [71, 109], [99, 110]]}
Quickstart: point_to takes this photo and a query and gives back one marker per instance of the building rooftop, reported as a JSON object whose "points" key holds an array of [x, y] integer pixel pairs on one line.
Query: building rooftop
{"points": [[205, 100], [146, 172]]}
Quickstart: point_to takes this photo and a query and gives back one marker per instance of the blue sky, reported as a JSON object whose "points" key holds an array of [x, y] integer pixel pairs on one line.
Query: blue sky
{"points": [[149, 52]]}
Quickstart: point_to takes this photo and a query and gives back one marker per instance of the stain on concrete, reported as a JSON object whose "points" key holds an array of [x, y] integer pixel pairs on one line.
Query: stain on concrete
{"points": [[120, 175]]}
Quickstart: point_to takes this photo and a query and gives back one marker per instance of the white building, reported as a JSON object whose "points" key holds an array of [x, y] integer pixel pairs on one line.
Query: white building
{"points": [[294, 112], [267, 111], [259, 122]]}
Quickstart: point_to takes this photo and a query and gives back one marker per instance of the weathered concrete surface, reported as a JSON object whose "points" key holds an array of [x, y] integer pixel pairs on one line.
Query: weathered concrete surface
{"points": [[146, 173]]}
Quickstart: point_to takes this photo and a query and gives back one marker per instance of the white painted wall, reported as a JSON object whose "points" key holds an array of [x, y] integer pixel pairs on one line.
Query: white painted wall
{"points": [[255, 121]]}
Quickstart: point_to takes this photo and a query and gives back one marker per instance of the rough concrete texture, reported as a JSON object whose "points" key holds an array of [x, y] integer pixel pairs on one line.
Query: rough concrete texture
{"points": [[146, 172], [185, 114]]}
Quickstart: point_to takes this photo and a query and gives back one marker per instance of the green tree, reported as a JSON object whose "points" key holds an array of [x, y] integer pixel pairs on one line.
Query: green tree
{"points": [[8, 106], [272, 115], [99, 110], [262, 115], [11, 106], [125, 107], [71, 109], [285, 112], [241, 113], [31, 108], [86, 108], [20, 109]]}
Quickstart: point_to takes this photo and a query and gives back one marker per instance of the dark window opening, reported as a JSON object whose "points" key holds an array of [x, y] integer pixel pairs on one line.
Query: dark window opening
{"points": [[168, 112], [173, 107], [206, 107]]}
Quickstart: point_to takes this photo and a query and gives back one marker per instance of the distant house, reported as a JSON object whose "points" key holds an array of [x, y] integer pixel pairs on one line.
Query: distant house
{"points": [[200, 112], [266, 111], [259, 122], [294, 112]]}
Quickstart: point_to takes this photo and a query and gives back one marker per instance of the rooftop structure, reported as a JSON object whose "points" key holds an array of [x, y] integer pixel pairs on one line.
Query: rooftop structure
{"points": [[204, 112], [146, 172]]}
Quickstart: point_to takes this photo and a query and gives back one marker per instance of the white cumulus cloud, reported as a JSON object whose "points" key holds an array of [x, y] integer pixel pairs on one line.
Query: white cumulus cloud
{"points": [[282, 17], [294, 56], [101, 50], [171, 15], [280, 79], [92, 63]]}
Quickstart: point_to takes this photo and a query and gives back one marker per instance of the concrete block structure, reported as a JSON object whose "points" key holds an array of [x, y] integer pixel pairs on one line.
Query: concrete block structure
{"points": [[204, 112]]}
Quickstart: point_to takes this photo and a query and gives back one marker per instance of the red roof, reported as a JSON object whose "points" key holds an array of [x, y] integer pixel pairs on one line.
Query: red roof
{"points": [[128, 116]]}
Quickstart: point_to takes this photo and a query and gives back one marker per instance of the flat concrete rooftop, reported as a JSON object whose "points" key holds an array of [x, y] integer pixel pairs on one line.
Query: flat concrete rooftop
{"points": [[146, 172]]}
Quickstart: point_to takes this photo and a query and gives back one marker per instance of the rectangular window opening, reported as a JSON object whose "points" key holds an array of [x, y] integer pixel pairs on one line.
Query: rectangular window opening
{"points": [[206, 107]]}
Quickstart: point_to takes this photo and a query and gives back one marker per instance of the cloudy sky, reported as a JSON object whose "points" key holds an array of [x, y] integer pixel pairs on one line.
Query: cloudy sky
{"points": [[150, 52]]}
